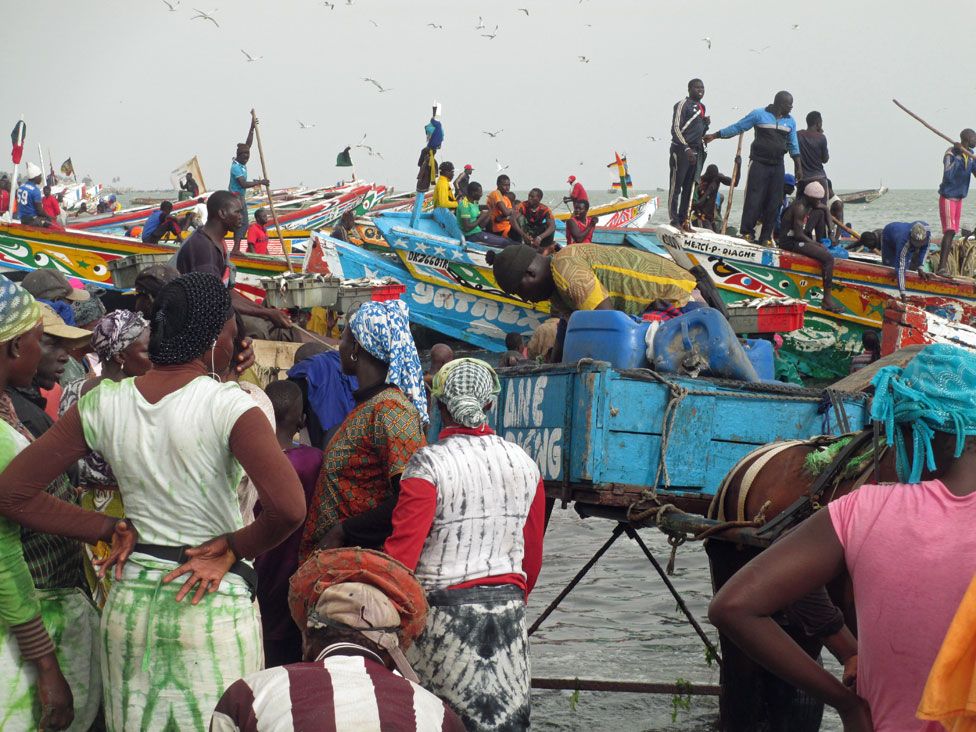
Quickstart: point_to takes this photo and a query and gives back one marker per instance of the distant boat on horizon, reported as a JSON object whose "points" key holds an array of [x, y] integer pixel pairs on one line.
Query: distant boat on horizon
{"points": [[867, 196]]}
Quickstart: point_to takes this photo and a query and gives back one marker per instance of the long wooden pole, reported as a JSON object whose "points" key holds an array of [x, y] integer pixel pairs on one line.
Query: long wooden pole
{"points": [[267, 188], [842, 226], [735, 177], [911, 114]]}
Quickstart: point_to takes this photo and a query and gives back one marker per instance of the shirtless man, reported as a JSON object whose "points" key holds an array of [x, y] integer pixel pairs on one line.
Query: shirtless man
{"points": [[795, 239]]}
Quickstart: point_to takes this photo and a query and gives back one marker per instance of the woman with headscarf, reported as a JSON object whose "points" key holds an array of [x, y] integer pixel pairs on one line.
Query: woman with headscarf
{"points": [[37, 698], [469, 522], [356, 492], [177, 439], [909, 549], [121, 342]]}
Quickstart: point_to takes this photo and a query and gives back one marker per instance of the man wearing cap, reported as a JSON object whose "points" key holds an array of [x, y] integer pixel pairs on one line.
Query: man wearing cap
{"points": [[148, 284], [577, 192], [239, 183], [904, 247], [461, 182], [795, 238], [357, 610], [30, 208], [53, 286]]}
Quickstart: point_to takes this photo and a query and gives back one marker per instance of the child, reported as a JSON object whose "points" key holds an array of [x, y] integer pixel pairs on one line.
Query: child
{"points": [[257, 233], [282, 639], [708, 203]]}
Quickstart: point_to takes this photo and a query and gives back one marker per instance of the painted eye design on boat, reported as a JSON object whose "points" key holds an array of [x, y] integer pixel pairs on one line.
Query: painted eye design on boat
{"points": [[41, 259], [784, 283], [100, 269]]}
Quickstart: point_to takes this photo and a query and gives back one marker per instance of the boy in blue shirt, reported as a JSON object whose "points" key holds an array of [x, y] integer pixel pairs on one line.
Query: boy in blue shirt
{"points": [[958, 164], [239, 184]]}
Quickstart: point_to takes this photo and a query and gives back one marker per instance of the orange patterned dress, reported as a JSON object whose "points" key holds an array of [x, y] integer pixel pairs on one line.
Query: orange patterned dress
{"points": [[371, 447]]}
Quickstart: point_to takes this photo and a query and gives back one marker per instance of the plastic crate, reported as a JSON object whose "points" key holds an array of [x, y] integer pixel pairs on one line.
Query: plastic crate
{"points": [[351, 296], [125, 269], [768, 319], [388, 292], [301, 292]]}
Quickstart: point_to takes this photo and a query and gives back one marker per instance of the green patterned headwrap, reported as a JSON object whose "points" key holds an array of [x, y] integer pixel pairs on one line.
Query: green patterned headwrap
{"points": [[19, 311]]}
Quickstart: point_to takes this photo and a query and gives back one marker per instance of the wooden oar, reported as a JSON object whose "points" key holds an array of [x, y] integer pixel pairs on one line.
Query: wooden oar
{"points": [[286, 251], [840, 224], [735, 176], [911, 114]]}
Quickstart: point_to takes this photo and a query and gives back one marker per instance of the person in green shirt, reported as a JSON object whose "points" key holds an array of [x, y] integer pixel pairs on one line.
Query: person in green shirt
{"points": [[46, 703], [472, 219]]}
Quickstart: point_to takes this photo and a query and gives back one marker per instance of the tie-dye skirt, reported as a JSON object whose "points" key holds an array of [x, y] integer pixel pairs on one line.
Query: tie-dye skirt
{"points": [[474, 654], [165, 664], [72, 622]]}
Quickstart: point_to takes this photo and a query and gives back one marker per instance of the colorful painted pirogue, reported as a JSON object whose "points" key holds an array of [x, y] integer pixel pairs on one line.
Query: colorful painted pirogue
{"points": [[824, 346]]}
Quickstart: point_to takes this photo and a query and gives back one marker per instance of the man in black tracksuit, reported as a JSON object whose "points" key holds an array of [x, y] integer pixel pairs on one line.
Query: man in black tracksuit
{"points": [[775, 137], [688, 127]]}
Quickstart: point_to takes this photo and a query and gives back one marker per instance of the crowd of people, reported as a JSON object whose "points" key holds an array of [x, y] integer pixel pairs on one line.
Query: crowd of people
{"points": [[367, 579]]}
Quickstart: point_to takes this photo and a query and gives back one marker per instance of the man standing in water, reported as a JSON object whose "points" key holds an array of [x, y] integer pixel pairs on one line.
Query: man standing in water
{"points": [[688, 127], [958, 164], [239, 183], [775, 136]]}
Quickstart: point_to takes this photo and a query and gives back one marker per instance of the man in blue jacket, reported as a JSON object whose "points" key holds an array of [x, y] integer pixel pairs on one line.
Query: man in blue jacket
{"points": [[688, 126], [904, 246], [775, 137], [958, 164]]}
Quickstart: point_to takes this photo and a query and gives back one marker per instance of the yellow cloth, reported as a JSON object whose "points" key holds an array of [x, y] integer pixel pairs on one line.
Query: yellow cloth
{"points": [[950, 692], [587, 274], [444, 193]]}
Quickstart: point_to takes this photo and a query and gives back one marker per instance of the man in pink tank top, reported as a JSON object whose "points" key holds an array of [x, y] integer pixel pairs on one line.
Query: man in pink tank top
{"points": [[909, 548]]}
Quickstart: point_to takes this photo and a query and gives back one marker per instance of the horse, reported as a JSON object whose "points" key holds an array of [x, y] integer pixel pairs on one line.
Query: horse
{"points": [[760, 487]]}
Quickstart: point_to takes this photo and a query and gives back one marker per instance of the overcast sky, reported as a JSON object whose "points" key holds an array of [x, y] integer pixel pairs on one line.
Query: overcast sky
{"points": [[129, 89]]}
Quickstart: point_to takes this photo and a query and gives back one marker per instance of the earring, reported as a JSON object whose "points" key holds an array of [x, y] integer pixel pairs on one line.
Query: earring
{"points": [[353, 358]]}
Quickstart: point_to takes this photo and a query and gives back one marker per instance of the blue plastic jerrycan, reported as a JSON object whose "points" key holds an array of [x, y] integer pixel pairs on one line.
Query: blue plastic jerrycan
{"points": [[606, 335], [701, 342]]}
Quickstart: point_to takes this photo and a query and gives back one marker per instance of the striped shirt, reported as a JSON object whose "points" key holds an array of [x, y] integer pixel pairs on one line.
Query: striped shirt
{"points": [[337, 694]]}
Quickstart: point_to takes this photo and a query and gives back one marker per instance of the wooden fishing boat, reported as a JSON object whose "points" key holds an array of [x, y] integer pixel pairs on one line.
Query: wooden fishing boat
{"points": [[867, 196], [620, 213], [824, 346]]}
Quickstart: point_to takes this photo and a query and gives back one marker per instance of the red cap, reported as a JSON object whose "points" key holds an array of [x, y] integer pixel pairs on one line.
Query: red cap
{"points": [[571, 179], [469, 167]]}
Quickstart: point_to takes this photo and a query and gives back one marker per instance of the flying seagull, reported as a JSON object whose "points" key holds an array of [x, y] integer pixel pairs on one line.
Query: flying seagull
{"points": [[330, 6], [172, 8], [481, 24], [306, 125], [493, 135], [524, 10], [760, 50], [251, 58], [205, 16], [435, 26], [377, 25], [653, 139], [708, 40], [583, 59], [500, 166], [796, 26], [491, 36], [375, 83]]}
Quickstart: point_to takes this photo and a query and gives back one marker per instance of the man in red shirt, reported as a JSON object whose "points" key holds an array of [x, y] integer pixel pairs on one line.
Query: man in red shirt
{"points": [[51, 208], [257, 233], [577, 192], [4, 194]]}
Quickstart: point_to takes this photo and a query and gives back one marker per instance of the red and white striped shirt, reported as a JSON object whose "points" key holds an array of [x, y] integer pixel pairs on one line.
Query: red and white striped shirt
{"points": [[337, 694]]}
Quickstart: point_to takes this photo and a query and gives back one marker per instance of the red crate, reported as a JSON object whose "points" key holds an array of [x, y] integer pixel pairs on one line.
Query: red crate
{"points": [[769, 319], [388, 292]]}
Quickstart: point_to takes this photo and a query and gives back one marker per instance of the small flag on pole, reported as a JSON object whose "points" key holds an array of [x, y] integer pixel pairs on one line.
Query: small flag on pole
{"points": [[344, 159], [17, 138], [67, 168]]}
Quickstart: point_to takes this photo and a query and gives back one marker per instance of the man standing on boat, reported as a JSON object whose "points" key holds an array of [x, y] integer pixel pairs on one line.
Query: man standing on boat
{"points": [[688, 126], [775, 137], [461, 182], [813, 150], [239, 183], [958, 164]]}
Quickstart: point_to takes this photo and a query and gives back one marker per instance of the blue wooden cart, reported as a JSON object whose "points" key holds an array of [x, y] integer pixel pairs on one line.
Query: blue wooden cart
{"points": [[610, 440]]}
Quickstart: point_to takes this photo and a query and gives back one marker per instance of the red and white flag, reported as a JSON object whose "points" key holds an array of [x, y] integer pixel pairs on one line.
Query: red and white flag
{"points": [[17, 138]]}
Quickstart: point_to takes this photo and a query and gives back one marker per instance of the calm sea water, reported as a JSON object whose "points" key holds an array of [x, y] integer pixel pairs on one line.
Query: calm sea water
{"points": [[621, 622]]}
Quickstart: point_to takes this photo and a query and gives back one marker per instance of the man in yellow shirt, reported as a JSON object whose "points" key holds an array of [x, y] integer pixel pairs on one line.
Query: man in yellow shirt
{"points": [[593, 277], [445, 203]]}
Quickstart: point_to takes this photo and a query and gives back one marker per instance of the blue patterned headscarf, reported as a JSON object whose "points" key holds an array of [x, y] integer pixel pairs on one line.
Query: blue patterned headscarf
{"points": [[383, 329], [936, 392]]}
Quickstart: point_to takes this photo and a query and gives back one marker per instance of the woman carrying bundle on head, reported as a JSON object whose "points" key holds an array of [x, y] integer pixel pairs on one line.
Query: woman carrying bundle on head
{"points": [[177, 440]]}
